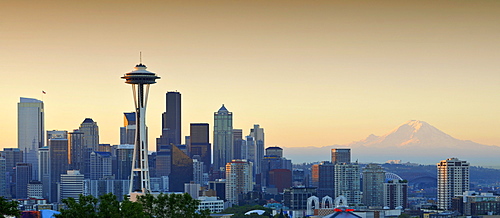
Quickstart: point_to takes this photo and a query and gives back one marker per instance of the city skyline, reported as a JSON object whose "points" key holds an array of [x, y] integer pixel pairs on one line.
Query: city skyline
{"points": [[311, 74]]}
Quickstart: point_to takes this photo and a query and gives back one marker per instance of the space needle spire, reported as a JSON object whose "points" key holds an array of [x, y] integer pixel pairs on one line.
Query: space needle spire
{"points": [[140, 79]]}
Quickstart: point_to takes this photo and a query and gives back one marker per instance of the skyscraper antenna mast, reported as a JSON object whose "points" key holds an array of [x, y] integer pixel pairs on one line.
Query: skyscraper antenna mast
{"points": [[140, 57]]}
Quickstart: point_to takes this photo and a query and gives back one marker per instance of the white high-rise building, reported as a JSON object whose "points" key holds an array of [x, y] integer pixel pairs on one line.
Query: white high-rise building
{"points": [[238, 179], [30, 130], [347, 182], [71, 185], [453, 179]]}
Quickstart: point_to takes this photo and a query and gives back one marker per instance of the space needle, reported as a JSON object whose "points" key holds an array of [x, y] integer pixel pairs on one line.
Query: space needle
{"points": [[140, 79]]}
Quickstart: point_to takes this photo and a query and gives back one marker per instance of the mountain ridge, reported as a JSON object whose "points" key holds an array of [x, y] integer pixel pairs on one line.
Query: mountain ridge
{"points": [[413, 141]]}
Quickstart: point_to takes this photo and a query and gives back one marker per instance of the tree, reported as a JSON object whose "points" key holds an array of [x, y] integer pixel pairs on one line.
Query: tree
{"points": [[106, 206], [8, 208], [172, 205], [85, 207]]}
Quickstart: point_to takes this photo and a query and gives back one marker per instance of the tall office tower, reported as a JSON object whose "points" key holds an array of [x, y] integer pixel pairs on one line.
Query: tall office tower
{"points": [[453, 179], [323, 177], [347, 182], [258, 134], [127, 132], [58, 162], [200, 144], [274, 151], [238, 179], [3, 177], [341, 155], [373, 185], [30, 130], [223, 138], [76, 150], [100, 165], [171, 122], [71, 185], [396, 194], [182, 170], [238, 143], [23, 177], [140, 79], [44, 170], [90, 143], [124, 161], [91, 133]]}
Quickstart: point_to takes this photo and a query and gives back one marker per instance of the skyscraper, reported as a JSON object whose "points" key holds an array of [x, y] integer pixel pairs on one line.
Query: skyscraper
{"points": [[347, 182], [238, 179], [171, 122], [341, 155], [44, 168], [373, 185], [30, 130], [140, 79], [200, 144], [127, 132], [58, 161], [77, 150], [453, 179], [90, 143], [223, 138], [182, 170], [23, 177], [258, 134], [238, 143], [100, 165]]}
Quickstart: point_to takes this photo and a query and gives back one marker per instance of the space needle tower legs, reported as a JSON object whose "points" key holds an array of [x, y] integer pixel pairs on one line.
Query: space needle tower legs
{"points": [[140, 79]]}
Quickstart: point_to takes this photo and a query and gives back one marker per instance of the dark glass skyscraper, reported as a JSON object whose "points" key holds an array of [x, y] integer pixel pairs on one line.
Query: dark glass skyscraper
{"points": [[199, 144], [58, 154], [182, 170], [171, 122]]}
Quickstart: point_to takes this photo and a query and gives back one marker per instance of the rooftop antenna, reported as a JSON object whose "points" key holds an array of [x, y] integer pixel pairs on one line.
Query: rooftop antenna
{"points": [[140, 57]]}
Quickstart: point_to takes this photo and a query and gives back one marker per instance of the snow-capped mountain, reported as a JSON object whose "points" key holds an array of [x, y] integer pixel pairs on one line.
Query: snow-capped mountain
{"points": [[413, 141]]}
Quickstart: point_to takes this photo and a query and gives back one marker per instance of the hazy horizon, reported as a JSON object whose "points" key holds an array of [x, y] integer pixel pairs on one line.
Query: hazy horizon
{"points": [[310, 73]]}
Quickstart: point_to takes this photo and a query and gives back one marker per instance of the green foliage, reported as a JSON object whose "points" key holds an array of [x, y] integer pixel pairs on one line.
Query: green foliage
{"points": [[106, 206], [147, 206], [8, 208], [239, 211], [84, 208], [172, 205]]}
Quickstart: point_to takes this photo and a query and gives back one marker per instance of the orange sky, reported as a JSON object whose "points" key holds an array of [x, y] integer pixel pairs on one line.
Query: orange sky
{"points": [[311, 73]]}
